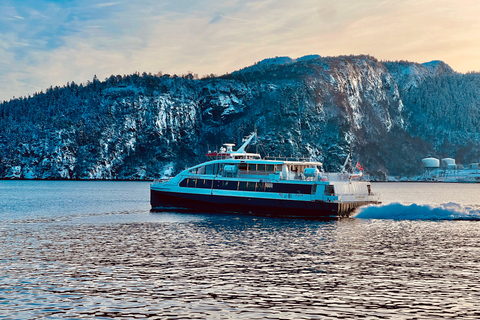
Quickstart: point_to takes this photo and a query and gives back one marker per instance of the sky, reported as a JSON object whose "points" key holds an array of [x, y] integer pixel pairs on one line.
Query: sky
{"points": [[47, 43]]}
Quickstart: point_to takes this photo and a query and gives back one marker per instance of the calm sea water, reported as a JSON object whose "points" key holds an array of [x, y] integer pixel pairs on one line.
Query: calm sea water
{"points": [[74, 250]]}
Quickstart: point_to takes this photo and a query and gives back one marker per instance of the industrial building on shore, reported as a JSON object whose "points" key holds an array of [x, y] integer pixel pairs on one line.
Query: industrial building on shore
{"points": [[446, 170]]}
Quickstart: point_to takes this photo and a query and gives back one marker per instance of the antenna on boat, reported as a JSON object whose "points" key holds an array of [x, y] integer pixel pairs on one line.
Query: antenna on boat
{"points": [[342, 169], [245, 144], [256, 142]]}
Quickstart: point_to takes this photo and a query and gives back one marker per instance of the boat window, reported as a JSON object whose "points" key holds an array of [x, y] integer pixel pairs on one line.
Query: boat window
{"points": [[183, 183], [201, 170], [292, 188], [208, 184], [225, 185], [261, 167], [230, 185], [260, 186], [270, 167], [196, 183], [191, 183], [252, 167], [242, 185], [250, 186], [209, 169], [242, 166], [204, 183], [329, 190]]}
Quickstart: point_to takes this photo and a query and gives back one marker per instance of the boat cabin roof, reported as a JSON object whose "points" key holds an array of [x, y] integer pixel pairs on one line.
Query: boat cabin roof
{"points": [[261, 161], [227, 154]]}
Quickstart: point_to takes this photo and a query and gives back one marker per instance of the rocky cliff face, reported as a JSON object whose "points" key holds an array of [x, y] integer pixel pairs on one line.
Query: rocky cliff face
{"points": [[386, 115]]}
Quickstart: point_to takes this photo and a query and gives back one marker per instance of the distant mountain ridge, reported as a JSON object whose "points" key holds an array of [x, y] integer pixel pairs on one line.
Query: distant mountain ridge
{"points": [[386, 115]]}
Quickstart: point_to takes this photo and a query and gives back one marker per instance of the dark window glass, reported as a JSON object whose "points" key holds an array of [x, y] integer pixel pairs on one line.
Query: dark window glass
{"points": [[183, 183], [242, 166], [260, 186], [242, 185], [292, 188], [329, 190], [304, 189], [201, 170], [191, 183], [204, 183], [224, 185], [250, 186], [270, 167], [230, 185], [260, 167], [208, 184], [252, 167]]}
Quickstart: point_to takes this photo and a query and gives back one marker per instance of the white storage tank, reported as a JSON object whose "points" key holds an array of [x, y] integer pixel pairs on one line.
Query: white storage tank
{"points": [[448, 163], [431, 162]]}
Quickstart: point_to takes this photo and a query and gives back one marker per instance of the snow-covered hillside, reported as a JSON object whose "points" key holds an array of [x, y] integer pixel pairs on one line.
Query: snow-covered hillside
{"points": [[386, 115]]}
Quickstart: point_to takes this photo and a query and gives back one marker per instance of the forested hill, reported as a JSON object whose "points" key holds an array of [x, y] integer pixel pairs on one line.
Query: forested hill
{"points": [[386, 115]]}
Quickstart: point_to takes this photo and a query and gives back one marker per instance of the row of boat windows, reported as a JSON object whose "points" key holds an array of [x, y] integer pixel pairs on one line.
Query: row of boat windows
{"points": [[247, 186], [227, 156], [259, 167], [215, 168]]}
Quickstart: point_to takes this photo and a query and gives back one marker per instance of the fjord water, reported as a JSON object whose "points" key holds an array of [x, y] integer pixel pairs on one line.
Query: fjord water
{"points": [[73, 250]]}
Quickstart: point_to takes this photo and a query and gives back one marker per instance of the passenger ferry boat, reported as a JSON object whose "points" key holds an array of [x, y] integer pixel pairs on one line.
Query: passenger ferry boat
{"points": [[241, 182]]}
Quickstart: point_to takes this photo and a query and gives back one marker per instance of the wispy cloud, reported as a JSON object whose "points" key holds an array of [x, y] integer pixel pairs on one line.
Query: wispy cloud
{"points": [[217, 19], [107, 4]]}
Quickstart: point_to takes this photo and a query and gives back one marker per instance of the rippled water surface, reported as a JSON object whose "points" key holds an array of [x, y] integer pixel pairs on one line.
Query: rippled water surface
{"points": [[99, 253]]}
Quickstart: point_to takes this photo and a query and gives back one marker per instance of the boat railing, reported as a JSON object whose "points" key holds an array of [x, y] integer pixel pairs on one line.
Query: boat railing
{"points": [[288, 159], [322, 176], [160, 180]]}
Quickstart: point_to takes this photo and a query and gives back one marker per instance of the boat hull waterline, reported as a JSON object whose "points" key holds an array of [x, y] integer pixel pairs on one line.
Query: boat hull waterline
{"points": [[166, 201]]}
